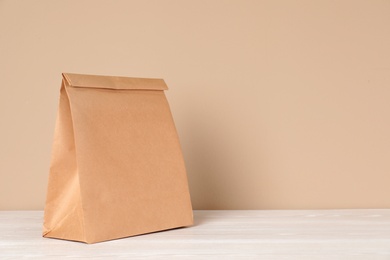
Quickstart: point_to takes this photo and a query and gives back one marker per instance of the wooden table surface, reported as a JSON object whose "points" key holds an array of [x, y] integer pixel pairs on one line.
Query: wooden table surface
{"points": [[229, 234]]}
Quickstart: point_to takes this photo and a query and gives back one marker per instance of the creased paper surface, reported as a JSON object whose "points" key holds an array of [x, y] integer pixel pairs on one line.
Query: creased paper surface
{"points": [[117, 168]]}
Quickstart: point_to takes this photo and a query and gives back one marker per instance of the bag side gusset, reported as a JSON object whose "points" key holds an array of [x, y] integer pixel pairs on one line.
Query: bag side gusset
{"points": [[63, 217]]}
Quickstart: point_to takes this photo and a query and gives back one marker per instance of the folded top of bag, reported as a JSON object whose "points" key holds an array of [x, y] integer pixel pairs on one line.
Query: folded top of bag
{"points": [[110, 82]]}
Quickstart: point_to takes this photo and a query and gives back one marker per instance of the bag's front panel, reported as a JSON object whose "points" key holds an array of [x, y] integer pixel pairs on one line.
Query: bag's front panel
{"points": [[132, 173]]}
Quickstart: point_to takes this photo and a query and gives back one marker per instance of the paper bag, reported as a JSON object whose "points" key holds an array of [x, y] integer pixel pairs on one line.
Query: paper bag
{"points": [[117, 168]]}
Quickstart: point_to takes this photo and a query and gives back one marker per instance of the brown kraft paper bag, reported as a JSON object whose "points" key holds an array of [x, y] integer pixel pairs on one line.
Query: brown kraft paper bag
{"points": [[117, 168]]}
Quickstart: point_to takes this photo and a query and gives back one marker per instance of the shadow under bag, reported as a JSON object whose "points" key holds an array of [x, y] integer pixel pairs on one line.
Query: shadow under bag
{"points": [[117, 168]]}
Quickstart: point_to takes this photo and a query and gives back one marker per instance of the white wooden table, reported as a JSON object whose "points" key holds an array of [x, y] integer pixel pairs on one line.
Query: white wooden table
{"points": [[261, 234]]}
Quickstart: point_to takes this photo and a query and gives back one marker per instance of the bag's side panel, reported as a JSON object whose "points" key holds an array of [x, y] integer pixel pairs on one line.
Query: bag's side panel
{"points": [[63, 216], [132, 173]]}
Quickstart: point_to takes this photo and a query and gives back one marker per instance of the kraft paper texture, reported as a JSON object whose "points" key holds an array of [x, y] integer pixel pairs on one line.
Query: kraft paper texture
{"points": [[117, 168]]}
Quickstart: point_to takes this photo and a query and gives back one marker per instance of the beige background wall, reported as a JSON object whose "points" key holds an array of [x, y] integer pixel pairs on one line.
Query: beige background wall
{"points": [[279, 104]]}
